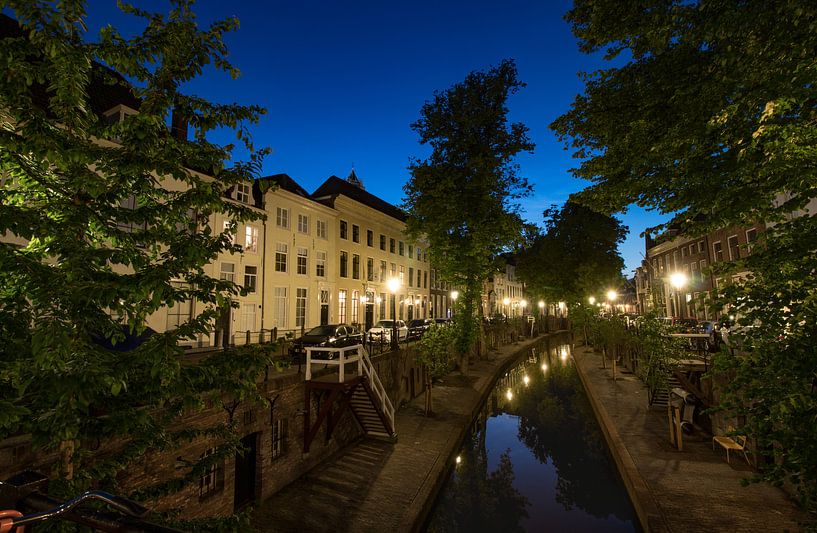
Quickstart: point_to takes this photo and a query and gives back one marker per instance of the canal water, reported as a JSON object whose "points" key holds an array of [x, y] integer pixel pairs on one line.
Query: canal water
{"points": [[535, 459]]}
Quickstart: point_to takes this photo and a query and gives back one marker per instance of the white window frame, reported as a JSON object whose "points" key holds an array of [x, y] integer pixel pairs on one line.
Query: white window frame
{"points": [[303, 224], [251, 239], [281, 257], [242, 193], [282, 217], [320, 263], [227, 274], [301, 295], [320, 229], [302, 261]]}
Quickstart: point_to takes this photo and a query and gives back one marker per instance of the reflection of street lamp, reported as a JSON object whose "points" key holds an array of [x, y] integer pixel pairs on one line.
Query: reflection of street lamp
{"points": [[678, 280], [394, 285], [454, 296]]}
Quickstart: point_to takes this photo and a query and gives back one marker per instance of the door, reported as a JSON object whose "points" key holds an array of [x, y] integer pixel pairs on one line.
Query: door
{"points": [[245, 472], [324, 307], [369, 319]]}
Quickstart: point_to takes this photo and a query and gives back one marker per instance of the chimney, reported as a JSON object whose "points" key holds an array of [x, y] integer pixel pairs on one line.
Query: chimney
{"points": [[178, 125]]}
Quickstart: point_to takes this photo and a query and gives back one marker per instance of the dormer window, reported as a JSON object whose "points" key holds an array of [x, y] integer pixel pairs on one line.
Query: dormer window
{"points": [[118, 113], [242, 193]]}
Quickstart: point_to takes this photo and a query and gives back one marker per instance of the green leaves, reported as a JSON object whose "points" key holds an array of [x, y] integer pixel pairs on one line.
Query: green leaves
{"points": [[462, 197]]}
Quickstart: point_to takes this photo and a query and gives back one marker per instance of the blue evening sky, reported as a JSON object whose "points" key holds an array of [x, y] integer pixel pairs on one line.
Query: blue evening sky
{"points": [[343, 80]]}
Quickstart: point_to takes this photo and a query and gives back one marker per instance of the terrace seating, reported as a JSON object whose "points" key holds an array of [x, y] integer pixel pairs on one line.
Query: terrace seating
{"points": [[728, 443]]}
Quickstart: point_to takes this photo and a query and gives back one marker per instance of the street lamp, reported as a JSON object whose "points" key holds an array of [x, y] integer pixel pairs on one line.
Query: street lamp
{"points": [[611, 297], [592, 300], [523, 304], [394, 285], [454, 296], [506, 302], [678, 280], [541, 307]]}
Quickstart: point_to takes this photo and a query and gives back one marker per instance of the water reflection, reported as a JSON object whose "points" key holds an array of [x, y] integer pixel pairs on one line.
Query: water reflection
{"points": [[535, 460]]}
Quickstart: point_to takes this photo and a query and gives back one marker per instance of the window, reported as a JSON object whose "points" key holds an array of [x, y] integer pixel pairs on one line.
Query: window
{"points": [[683, 252], [247, 318], [282, 217], [411, 251], [411, 277], [393, 269], [734, 249], [250, 278], [301, 261], [383, 298], [355, 306], [242, 193], [212, 479], [281, 305], [701, 247], [129, 226], [675, 259], [320, 264], [179, 312], [691, 248], [355, 233], [419, 278], [227, 272], [702, 264], [382, 242], [355, 266], [382, 271], [425, 280], [342, 306], [300, 308], [751, 237], [229, 230], [251, 239], [320, 229], [303, 224], [343, 230], [281, 257], [717, 250], [369, 237], [419, 253], [402, 275], [402, 248], [279, 437], [369, 269], [344, 265], [391, 246]]}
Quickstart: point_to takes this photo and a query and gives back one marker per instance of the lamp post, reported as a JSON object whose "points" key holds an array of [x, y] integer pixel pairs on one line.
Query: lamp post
{"points": [[678, 280], [454, 295], [393, 284]]}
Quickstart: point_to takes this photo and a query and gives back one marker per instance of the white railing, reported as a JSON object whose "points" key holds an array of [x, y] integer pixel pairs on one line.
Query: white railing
{"points": [[364, 365], [377, 387]]}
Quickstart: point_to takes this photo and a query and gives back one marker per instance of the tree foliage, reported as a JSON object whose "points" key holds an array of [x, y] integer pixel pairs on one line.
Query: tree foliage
{"points": [[576, 257], [434, 352], [462, 197], [710, 115], [82, 272]]}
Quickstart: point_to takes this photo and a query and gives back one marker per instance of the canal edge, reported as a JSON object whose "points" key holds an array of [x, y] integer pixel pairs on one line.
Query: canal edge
{"points": [[441, 474], [649, 513]]}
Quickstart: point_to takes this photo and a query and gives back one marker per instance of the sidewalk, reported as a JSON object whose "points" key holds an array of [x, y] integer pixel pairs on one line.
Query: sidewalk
{"points": [[376, 486], [692, 490]]}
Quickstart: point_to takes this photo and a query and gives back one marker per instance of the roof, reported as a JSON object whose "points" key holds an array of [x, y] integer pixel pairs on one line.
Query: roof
{"points": [[107, 88], [284, 181], [335, 186]]}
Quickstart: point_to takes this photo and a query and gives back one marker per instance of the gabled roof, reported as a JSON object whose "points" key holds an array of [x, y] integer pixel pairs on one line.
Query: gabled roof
{"points": [[335, 186], [285, 182]]}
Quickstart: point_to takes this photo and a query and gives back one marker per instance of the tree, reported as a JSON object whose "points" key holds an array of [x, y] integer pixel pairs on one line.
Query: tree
{"points": [[709, 114], [434, 353], [576, 257], [462, 197], [85, 272]]}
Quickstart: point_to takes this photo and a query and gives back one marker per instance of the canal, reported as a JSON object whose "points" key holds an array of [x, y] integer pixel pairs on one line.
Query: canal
{"points": [[535, 459]]}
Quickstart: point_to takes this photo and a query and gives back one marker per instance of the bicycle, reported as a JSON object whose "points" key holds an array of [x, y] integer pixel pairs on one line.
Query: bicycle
{"points": [[21, 492]]}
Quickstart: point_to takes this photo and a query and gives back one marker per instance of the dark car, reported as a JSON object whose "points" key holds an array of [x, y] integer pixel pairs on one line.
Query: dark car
{"points": [[418, 326], [330, 335]]}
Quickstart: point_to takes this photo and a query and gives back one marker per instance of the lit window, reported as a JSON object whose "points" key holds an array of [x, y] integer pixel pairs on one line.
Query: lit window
{"points": [[251, 239], [342, 306]]}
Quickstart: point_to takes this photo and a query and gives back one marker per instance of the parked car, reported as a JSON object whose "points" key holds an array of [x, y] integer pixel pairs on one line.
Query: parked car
{"points": [[442, 321], [418, 326], [381, 331], [330, 335]]}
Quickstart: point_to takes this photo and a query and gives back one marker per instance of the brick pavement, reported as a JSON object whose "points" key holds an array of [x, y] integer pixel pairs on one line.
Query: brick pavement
{"points": [[691, 490], [375, 486]]}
